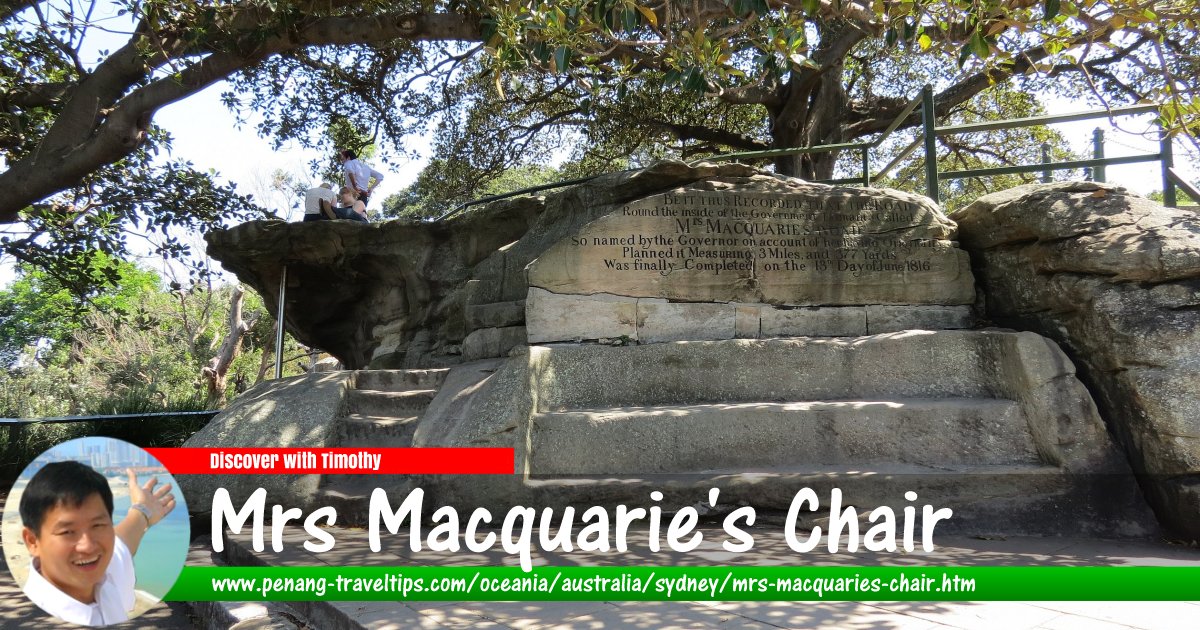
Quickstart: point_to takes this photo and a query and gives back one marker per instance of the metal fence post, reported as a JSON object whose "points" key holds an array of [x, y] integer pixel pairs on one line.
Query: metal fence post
{"points": [[1098, 153], [279, 324], [930, 124], [1167, 159], [1046, 176], [866, 164]]}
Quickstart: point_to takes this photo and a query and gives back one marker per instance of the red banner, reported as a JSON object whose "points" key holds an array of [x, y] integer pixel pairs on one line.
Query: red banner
{"points": [[346, 461]]}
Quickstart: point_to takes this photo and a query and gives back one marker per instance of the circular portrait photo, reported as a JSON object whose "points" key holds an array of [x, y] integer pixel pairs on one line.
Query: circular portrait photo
{"points": [[95, 531]]}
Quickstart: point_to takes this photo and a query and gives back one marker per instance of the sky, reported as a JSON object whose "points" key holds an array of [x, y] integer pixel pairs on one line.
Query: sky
{"points": [[245, 159]]}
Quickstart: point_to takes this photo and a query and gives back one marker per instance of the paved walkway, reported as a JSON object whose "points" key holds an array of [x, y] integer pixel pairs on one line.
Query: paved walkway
{"points": [[771, 549]]}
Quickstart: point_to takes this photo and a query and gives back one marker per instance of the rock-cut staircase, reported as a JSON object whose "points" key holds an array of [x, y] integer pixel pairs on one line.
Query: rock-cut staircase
{"points": [[990, 423], [381, 411]]}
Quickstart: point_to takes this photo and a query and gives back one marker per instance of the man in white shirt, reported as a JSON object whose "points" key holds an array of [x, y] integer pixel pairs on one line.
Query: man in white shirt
{"points": [[314, 209], [359, 176], [82, 569]]}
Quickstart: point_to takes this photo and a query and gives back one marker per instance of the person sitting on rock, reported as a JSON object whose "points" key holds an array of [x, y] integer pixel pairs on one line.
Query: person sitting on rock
{"points": [[352, 208], [318, 203]]}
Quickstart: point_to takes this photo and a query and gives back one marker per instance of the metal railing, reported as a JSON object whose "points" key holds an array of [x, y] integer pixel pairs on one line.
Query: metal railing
{"points": [[1171, 179], [516, 193], [121, 416], [15, 437]]}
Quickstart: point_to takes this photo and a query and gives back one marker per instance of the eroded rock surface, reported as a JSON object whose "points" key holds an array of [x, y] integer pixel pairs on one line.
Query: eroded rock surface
{"points": [[1115, 279], [409, 293], [352, 285]]}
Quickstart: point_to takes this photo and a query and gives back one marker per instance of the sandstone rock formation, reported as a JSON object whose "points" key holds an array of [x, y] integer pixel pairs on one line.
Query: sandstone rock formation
{"points": [[410, 293], [682, 328], [992, 424], [1115, 279], [751, 255]]}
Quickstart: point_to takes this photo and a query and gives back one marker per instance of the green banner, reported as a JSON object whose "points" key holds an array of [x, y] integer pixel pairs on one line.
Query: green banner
{"points": [[687, 583]]}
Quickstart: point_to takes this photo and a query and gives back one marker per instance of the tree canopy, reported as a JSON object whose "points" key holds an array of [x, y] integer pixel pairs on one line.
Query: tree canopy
{"points": [[39, 315], [520, 78], [138, 344]]}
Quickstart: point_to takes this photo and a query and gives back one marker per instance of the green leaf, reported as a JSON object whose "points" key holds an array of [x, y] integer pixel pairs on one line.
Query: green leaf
{"points": [[1052, 7], [979, 46], [811, 6], [487, 28], [648, 14], [561, 57], [964, 55], [541, 52], [629, 19]]}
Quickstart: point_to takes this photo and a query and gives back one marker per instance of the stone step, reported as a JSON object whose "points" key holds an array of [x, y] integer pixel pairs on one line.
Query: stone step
{"points": [[400, 380], [909, 364], [306, 615], [350, 495], [384, 403], [948, 431], [1012, 500], [356, 430], [231, 615]]}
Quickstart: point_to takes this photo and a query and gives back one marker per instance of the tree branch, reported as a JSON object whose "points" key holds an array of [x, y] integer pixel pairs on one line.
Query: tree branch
{"points": [[968, 87], [9, 8], [707, 134], [101, 124]]}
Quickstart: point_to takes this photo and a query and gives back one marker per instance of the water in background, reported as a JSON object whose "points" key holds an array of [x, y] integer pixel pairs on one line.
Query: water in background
{"points": [[163, 549]]}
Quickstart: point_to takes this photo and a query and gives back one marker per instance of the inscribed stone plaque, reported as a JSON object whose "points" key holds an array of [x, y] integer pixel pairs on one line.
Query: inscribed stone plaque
{"points": [[806, 245]]}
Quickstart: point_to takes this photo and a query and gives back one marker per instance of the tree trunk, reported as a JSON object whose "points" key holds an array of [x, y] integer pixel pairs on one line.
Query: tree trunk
{"points": [[214, 373], [268, 353], [813, 109]]}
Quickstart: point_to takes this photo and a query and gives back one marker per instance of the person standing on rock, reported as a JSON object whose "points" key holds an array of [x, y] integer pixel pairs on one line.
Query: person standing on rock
{"points": [[359, 176]]}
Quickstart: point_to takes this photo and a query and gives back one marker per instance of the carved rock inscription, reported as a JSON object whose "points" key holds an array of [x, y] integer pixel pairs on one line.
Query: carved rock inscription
{"points": [[817, 246]]}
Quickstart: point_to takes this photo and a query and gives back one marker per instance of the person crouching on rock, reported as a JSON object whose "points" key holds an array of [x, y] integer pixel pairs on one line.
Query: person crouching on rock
{"points": [[352, 208], [82, 562]]}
